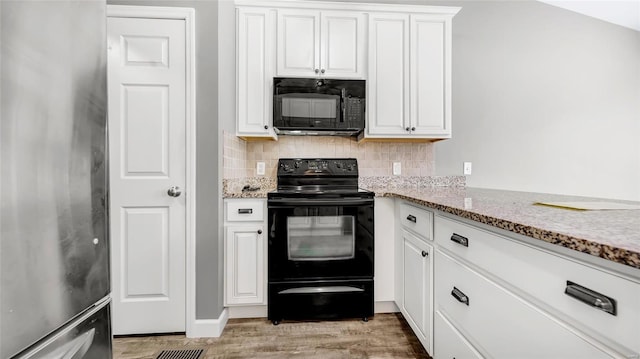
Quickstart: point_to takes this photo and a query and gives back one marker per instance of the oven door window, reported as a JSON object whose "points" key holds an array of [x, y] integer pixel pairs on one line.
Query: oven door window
{"points": [[321, 238], [320, 241]]}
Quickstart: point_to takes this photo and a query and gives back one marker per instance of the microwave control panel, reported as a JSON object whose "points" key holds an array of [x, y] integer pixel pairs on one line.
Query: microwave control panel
{"points": [[354, 109]]}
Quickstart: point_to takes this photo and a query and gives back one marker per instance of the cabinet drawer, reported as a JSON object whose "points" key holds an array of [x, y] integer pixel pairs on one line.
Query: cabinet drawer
{"points": [[416, 219], [505, 325], [244, 210], [545, 275], [449, 342]]}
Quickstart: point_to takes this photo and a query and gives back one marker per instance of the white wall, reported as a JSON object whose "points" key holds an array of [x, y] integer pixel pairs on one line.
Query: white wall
{"points": [[544, 100]]}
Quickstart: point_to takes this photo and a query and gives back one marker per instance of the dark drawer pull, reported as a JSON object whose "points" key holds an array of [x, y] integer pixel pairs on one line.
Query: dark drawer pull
{"points": [[245, 210], [594, 299], [463, 241], [424, 253], [461, 297], [412, 218]]}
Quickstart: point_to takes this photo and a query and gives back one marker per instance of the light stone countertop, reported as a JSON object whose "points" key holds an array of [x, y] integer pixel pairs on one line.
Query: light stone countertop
{"points": [[613, 235], [609, 234]]}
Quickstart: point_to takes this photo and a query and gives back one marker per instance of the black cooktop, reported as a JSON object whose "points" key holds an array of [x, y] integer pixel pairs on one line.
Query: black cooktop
{"points": [[318, 177]]}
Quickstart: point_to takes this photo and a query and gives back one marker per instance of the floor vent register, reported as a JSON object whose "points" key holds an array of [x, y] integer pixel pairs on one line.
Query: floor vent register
{"points": [[180, 354]]}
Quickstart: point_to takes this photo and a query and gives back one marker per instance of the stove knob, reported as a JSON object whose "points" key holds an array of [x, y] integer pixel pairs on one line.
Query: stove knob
{"points": [[338, 164], [296, 164]]}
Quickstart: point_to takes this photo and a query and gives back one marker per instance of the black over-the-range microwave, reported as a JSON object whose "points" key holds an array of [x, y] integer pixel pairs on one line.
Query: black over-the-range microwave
{"points": [[318, 106]]}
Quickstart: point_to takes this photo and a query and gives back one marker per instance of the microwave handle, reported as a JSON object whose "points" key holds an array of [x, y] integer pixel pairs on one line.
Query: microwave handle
{"points": [[343, 102]]}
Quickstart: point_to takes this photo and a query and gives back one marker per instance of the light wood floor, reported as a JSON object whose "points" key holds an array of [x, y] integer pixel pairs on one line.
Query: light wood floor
{"points": [[383, 336]]}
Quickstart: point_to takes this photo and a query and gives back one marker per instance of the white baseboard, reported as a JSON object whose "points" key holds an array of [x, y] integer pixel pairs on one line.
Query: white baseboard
{"points": [[385, 307], [250, 311], [209, 328]]}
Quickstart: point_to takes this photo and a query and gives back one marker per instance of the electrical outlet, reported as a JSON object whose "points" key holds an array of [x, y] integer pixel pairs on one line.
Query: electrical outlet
{"points": [[397, 168], [466, 168], [468, 203], [260, 168]]}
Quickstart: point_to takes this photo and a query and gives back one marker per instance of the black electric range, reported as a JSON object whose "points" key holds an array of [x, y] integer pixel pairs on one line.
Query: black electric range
{"points": [[321, 241]]}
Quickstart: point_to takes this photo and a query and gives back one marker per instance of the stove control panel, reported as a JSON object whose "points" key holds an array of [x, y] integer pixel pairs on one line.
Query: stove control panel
{"points": [[306, 167]]}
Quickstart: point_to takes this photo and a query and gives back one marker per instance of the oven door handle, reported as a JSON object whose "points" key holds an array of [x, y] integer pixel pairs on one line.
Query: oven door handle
{"points": [[282, 203]]}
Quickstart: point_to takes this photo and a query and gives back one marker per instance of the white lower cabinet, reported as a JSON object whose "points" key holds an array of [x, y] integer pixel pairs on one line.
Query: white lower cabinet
{"points": [[552, 282], [451, 344], [245, 253], [416, 303], [473, 293], [501, 323]]}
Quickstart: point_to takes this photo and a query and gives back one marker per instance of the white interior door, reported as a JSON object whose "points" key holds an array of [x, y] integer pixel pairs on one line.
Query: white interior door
{"points": [[147, 142]]}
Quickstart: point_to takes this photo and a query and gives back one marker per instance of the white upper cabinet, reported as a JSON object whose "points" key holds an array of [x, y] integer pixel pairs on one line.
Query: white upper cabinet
{"points": [[388, 80], [320, 43], [402, 51], [255, 69], [430, 60], [409, 76]]}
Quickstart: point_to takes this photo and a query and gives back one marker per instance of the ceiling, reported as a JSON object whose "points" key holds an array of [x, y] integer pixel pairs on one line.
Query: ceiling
{"points": [[621, 12]]}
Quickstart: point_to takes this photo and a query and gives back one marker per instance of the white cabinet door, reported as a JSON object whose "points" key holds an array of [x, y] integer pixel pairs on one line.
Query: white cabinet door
{"points": [[313, 43], [430, 82], [255, 42], [245, 274], [388, 74], [342, 47], [298, 43], [416, 304], [409, 81]]}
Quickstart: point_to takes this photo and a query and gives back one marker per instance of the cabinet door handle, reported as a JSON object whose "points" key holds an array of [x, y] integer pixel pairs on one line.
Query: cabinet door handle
{"points": [[245, 210], [460, 297], [463, 241], [407, 129], [316, 70], [590, 297], [424, 253], [413, 128], [259, 231], [322, 71], [266, 127], [412, 218]]}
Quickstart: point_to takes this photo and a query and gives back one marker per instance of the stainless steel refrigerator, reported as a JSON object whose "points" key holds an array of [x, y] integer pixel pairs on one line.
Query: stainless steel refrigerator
{"points": [[54, 251]]}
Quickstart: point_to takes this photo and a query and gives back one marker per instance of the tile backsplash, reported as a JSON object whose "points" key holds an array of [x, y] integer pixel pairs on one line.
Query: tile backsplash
{"points": [[374, 158]]}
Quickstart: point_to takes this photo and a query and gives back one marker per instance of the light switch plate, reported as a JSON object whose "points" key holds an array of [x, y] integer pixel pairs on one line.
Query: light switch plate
{"points": [[466, 168], [260, 168]]}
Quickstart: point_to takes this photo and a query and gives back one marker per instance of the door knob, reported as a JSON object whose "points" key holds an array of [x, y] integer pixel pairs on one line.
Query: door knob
{"points": [[174, 191]]}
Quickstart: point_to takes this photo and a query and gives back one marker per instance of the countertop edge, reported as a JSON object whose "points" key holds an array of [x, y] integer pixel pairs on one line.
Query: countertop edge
{"points": [[583, 245], [604, 251]]}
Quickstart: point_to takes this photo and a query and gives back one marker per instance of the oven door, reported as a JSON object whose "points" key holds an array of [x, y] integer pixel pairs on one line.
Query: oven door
{"points": [[314, 239]]}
